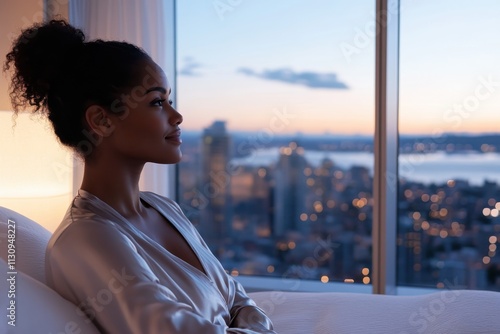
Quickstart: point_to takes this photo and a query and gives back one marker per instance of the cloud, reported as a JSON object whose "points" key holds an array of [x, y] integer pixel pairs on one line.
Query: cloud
{"points": [[308, 79], [189, 67]]}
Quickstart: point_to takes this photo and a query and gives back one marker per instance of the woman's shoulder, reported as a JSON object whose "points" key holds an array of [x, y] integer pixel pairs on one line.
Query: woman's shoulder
{"points": [[84, 227], [150, 194], [161, 201]]}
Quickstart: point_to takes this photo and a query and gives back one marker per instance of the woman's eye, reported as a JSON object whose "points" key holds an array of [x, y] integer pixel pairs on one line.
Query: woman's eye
{"points": [[158, 103]]}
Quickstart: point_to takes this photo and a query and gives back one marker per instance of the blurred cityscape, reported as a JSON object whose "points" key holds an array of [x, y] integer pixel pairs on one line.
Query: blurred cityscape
{"points": [[289, 217]]}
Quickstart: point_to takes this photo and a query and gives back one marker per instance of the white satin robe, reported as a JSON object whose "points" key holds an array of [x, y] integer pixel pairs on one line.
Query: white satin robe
{"points": [[125, 282]]}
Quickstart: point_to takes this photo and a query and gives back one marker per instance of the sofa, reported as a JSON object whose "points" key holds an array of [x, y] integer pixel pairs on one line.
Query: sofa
{"points": [[34, 308]]}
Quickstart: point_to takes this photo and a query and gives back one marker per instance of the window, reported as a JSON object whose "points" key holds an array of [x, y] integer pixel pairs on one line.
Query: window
{"points": [[278, 102], [278, 168], [448, 225]]}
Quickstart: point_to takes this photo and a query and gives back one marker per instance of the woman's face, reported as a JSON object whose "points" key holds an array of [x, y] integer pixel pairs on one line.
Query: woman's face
{"points": [[147, 129]]}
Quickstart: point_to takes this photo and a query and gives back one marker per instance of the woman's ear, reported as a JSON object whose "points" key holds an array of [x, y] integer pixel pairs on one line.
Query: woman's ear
{"points": [[98, 121]]}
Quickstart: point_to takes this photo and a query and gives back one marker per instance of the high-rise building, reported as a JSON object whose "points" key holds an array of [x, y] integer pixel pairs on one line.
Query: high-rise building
{"points": [[215, 185], [290, 191]]}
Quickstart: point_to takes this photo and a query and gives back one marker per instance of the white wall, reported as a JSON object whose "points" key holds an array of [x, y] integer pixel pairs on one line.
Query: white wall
{"points": [[36, 172]]}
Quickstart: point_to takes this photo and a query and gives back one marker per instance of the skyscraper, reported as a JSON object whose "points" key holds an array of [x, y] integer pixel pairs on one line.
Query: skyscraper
{"points": [[290, 191], [215, 181]]}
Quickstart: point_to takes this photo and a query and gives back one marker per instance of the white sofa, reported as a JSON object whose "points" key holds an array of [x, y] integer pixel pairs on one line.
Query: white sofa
{"points": [[40, 310]]}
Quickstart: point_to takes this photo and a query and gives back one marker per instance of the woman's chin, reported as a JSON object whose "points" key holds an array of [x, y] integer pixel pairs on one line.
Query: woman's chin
{"points": [[170, 160]]}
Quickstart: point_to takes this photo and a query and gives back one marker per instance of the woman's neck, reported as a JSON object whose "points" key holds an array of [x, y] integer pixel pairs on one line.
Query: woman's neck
{"points": [[115, 183]]}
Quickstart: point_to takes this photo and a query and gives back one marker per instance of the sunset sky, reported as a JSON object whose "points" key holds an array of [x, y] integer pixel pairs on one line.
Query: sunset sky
{"points": [[246, 61]]}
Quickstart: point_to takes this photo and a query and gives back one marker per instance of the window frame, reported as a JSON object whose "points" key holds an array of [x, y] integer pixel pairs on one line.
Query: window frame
{"points": [[385, 178]]}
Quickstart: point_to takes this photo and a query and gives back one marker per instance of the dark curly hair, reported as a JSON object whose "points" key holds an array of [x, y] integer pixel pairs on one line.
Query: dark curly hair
{"points": [[59, 74]]}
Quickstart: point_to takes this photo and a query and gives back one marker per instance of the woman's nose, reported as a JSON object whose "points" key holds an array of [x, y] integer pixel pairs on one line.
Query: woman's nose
{"points": [[175, 117]]}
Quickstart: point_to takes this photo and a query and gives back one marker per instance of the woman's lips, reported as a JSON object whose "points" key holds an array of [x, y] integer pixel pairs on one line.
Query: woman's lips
{"points": [[174, 137]]}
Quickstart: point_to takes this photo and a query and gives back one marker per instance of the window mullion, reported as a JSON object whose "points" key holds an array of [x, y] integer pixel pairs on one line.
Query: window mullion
{"points": [[386, 147]]}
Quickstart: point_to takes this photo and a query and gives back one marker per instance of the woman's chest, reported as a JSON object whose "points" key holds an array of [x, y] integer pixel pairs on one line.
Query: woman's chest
{"points": [[165, 234]]}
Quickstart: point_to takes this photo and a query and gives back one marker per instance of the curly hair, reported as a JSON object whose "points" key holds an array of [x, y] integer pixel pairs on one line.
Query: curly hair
{"points": [[56, 72]]}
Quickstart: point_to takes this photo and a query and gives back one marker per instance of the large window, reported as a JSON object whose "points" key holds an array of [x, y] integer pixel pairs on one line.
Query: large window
{"points": [[278, 99], [278, 102], [449, 192]]}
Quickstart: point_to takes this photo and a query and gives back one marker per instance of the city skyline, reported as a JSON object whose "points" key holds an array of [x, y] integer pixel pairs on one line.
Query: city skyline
{"points": [[329, 134], [293, 218]]}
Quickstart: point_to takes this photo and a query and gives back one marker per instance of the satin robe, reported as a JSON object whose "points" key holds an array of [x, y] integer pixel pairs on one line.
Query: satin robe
{"points": [[126, 282]]}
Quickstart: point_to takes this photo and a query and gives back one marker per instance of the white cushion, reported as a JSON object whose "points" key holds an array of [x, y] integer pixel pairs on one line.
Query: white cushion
{"points": [[30, 241], [447, 311], [38, 309]]}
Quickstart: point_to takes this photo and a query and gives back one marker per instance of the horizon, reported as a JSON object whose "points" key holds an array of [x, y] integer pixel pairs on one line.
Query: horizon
{"points": [[346, 135]]}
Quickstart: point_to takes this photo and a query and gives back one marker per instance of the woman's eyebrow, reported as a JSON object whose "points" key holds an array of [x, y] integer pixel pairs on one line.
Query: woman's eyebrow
{"points": [[159, 89]]}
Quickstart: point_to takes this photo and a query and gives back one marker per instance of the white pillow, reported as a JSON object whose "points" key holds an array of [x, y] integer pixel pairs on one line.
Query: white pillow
{"points": [[31, 240], [37, 308]]}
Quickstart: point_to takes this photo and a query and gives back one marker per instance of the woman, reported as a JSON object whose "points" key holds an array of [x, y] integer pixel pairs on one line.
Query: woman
{"points": [[130, 260]]}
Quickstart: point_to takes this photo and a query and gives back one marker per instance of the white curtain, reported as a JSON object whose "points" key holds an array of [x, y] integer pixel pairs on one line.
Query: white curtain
{"points": [[149, 24]]}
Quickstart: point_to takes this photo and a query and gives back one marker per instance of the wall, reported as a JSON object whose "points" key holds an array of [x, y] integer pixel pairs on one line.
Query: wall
{"points": [[36, 172], [13, 16]]}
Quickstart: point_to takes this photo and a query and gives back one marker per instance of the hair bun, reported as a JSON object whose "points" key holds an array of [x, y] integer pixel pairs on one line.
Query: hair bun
{"points": [[42, 56]]}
